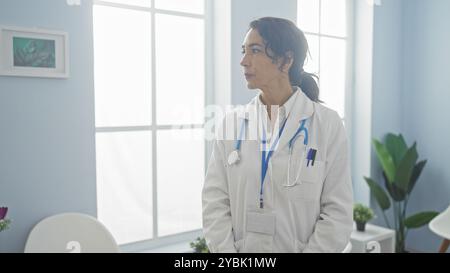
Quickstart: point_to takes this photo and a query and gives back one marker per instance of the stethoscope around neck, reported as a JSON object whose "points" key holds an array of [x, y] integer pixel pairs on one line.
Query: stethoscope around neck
{"points": [[234, 156]]}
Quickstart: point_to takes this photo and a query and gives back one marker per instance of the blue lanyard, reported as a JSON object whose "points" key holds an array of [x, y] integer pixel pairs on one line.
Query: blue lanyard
{"points": [[265, 160]]}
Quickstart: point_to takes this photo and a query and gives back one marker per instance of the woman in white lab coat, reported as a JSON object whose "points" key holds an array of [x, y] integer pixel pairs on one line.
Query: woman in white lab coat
{"points": [[284, 184]]}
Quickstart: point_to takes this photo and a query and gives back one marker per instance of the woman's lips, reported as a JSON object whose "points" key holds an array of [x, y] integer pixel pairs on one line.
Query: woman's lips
{"points": [[248, 76]]}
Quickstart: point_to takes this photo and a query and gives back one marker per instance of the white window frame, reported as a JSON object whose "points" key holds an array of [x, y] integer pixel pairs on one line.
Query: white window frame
{"points": [[349, 61], [159, 241]]}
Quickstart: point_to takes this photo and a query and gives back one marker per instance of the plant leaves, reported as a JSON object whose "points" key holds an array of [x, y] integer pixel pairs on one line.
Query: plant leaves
{"points": [[395, 192], [420, 219], [415, 174], [405, 168], [379, 193], [396, 146], [385, 160]]}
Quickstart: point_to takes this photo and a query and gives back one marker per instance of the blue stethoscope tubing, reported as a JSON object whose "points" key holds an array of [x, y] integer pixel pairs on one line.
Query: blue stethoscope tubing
{"points": [[234, 157], [302, 128]]}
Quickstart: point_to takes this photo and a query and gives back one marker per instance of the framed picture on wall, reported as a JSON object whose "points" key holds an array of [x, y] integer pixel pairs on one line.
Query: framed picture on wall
{"points": [[33, 52]]}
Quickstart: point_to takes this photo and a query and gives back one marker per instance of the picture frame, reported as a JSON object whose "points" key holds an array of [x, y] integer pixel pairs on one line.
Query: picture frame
{"points": [[34, 52]]}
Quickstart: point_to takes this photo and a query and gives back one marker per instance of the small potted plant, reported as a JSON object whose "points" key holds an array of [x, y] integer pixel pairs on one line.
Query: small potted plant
{"points": [[4, 223], [199, 246], [362, 215]]}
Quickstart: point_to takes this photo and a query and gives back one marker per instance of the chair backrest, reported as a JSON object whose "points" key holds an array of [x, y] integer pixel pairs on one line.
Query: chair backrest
{"points": [[348, 248], [441, 224], [70, 233]]}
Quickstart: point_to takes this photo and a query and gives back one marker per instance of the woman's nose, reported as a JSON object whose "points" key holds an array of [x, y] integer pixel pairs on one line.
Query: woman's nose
{"points": [[244, 61]]}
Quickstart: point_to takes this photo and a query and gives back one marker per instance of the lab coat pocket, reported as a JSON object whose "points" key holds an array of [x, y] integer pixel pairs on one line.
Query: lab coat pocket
{"points": [[308, 186], [312, 173]]}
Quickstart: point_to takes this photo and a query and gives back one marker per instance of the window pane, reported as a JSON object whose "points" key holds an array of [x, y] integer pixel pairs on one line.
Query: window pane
{"points": [[333, 17], [124, 184], [181, 161], [333, 73], [312, 59], [180, 70], [191, 6], [140, 3], [122, 58], [308, 15]]}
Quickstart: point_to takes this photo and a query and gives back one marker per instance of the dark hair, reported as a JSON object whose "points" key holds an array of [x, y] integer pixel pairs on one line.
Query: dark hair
{"points": [[282, 36]]}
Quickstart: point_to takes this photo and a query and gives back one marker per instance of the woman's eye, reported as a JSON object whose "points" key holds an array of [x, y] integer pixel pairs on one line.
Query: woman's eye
{"points": [[253, 50]]}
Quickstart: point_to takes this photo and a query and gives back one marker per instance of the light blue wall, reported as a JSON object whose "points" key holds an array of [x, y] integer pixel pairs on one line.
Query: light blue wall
{"points": [[387, 68], [426, 101], [411, 96], [47, 154]]}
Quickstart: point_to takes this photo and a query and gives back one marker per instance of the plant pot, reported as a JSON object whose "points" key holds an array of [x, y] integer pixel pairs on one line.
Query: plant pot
{"points": [[360, 226]]}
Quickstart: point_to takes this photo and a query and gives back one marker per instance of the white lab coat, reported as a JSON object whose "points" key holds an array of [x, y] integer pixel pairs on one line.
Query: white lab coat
{"points": [[313, 216]]}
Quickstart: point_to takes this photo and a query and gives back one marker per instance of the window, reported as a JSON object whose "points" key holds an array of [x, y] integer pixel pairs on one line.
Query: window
{"points": [[326, 26], [149, 64]]}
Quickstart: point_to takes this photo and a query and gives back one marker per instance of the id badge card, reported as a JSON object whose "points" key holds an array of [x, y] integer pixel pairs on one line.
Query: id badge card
{"points": [[260, 231]]}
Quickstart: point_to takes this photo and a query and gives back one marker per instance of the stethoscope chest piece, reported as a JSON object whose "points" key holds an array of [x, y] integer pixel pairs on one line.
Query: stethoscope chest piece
{"points": [[233, 158]]}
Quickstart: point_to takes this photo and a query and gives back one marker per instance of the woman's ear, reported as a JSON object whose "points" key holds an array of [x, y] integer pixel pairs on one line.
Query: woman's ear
{"points": [[288, 61]]}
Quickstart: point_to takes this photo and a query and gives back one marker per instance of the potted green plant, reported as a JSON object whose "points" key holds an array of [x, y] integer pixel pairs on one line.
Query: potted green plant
{"points": [[199, 245], [362, 215], [4, 223], [400, 172]]}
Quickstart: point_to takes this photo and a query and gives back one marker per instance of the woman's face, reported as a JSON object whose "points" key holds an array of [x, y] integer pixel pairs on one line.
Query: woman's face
{"points": [[259, 70]]}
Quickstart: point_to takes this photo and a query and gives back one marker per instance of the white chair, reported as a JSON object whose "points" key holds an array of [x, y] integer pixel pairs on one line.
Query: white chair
{"points": [[348, 248], [70, 233], [441, 226]]}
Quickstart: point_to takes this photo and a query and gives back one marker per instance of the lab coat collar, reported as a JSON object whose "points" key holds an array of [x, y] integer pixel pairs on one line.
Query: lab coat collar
{"points": [[302, 109], [284, 111]]}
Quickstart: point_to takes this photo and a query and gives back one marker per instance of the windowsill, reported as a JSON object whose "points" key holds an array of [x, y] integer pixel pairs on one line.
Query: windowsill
{"points": [[182, 247], [177, 243]]}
